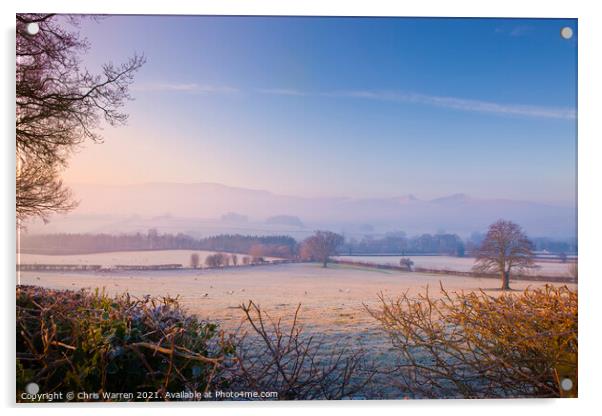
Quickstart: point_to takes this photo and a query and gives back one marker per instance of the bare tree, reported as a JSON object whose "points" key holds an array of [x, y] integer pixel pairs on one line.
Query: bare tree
{"points": [[212, 260], [406, 263], [505, 248], [195, 260], [40, 191], [321, 246], [59, 104], [223, 259], [217, 260]]}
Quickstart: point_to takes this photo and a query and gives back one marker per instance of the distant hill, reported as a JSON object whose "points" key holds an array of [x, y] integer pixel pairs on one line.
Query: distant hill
{"points": [[234, 217], [198, 208], [285, 220]]}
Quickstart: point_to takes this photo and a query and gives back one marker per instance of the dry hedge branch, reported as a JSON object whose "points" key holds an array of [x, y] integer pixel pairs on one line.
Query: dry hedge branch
{"points": [[465, 345], [82, 341], [474, 345], [298, 367]]}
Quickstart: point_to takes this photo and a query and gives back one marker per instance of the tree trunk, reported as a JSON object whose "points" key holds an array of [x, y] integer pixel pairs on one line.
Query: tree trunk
{"points": [[505, 280], [325, 262]]}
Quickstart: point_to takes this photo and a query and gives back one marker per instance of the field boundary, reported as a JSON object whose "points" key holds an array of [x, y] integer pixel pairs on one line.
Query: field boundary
{"points": [[555, 279], [39, 267]]}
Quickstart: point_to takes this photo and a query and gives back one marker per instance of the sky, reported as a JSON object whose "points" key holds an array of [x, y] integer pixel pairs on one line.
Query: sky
{"points": [[357, 107]]}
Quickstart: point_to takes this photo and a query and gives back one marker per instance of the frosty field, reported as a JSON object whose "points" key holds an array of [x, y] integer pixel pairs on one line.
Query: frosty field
{"points": [[332, 299], [460, 264], [144, 257]]}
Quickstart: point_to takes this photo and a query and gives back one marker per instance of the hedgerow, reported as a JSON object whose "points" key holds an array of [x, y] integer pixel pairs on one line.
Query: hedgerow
{"points": [[88, 341]]}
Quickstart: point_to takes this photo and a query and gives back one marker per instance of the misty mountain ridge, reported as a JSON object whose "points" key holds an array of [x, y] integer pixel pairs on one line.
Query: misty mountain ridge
{"points": [[201, 208]]}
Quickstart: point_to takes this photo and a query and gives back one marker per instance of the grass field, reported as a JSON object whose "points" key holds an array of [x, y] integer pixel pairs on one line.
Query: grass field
{"points": [[460, 264], [144, 257], [332, 299]]}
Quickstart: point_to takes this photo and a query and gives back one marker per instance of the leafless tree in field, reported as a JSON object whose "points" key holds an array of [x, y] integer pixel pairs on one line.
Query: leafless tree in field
{"points": [[321, 246], [223, 259], [406, 263], [505, 248], [217, 260], [59, 104], [195, 260], [211, 261]]}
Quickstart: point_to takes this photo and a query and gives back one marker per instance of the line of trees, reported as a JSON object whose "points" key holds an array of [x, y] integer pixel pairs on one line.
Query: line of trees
{"points": [[267, 246], [318, 247], [224, 260], [504, 249], [217, 260], [398, 242], [257, 246]]}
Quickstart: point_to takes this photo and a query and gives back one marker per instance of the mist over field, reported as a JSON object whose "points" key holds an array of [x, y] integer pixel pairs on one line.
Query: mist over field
{"points": [[208, 209]]}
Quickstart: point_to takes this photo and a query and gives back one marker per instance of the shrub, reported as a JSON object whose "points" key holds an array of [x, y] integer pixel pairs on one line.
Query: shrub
{"points": [[280, 358], [217, 260], [87, 341], [472, 345], [212, 260], [406, 263], [223, 259]]}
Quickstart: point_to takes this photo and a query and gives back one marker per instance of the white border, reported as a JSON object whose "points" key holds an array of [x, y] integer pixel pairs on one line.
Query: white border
{"points": [[458, 8], [590, 30]]}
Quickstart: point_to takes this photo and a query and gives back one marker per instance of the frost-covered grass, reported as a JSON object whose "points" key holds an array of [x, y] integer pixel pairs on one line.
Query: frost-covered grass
{"points": [[332, 298], [437, 344], [460, 264], [143, 257]]}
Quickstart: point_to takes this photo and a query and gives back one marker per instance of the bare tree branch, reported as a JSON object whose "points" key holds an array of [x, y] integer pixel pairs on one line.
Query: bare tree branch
{"points": [[59, 105]]}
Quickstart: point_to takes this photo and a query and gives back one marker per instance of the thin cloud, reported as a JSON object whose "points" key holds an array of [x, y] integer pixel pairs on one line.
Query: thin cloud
{"points": [[515, 31], [454, 103], [491, 107], [281, 91], [192, 88], [461, 104]]}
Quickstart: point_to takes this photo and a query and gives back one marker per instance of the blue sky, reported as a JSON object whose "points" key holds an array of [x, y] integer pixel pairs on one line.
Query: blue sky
{"points": [[343, 106]]}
